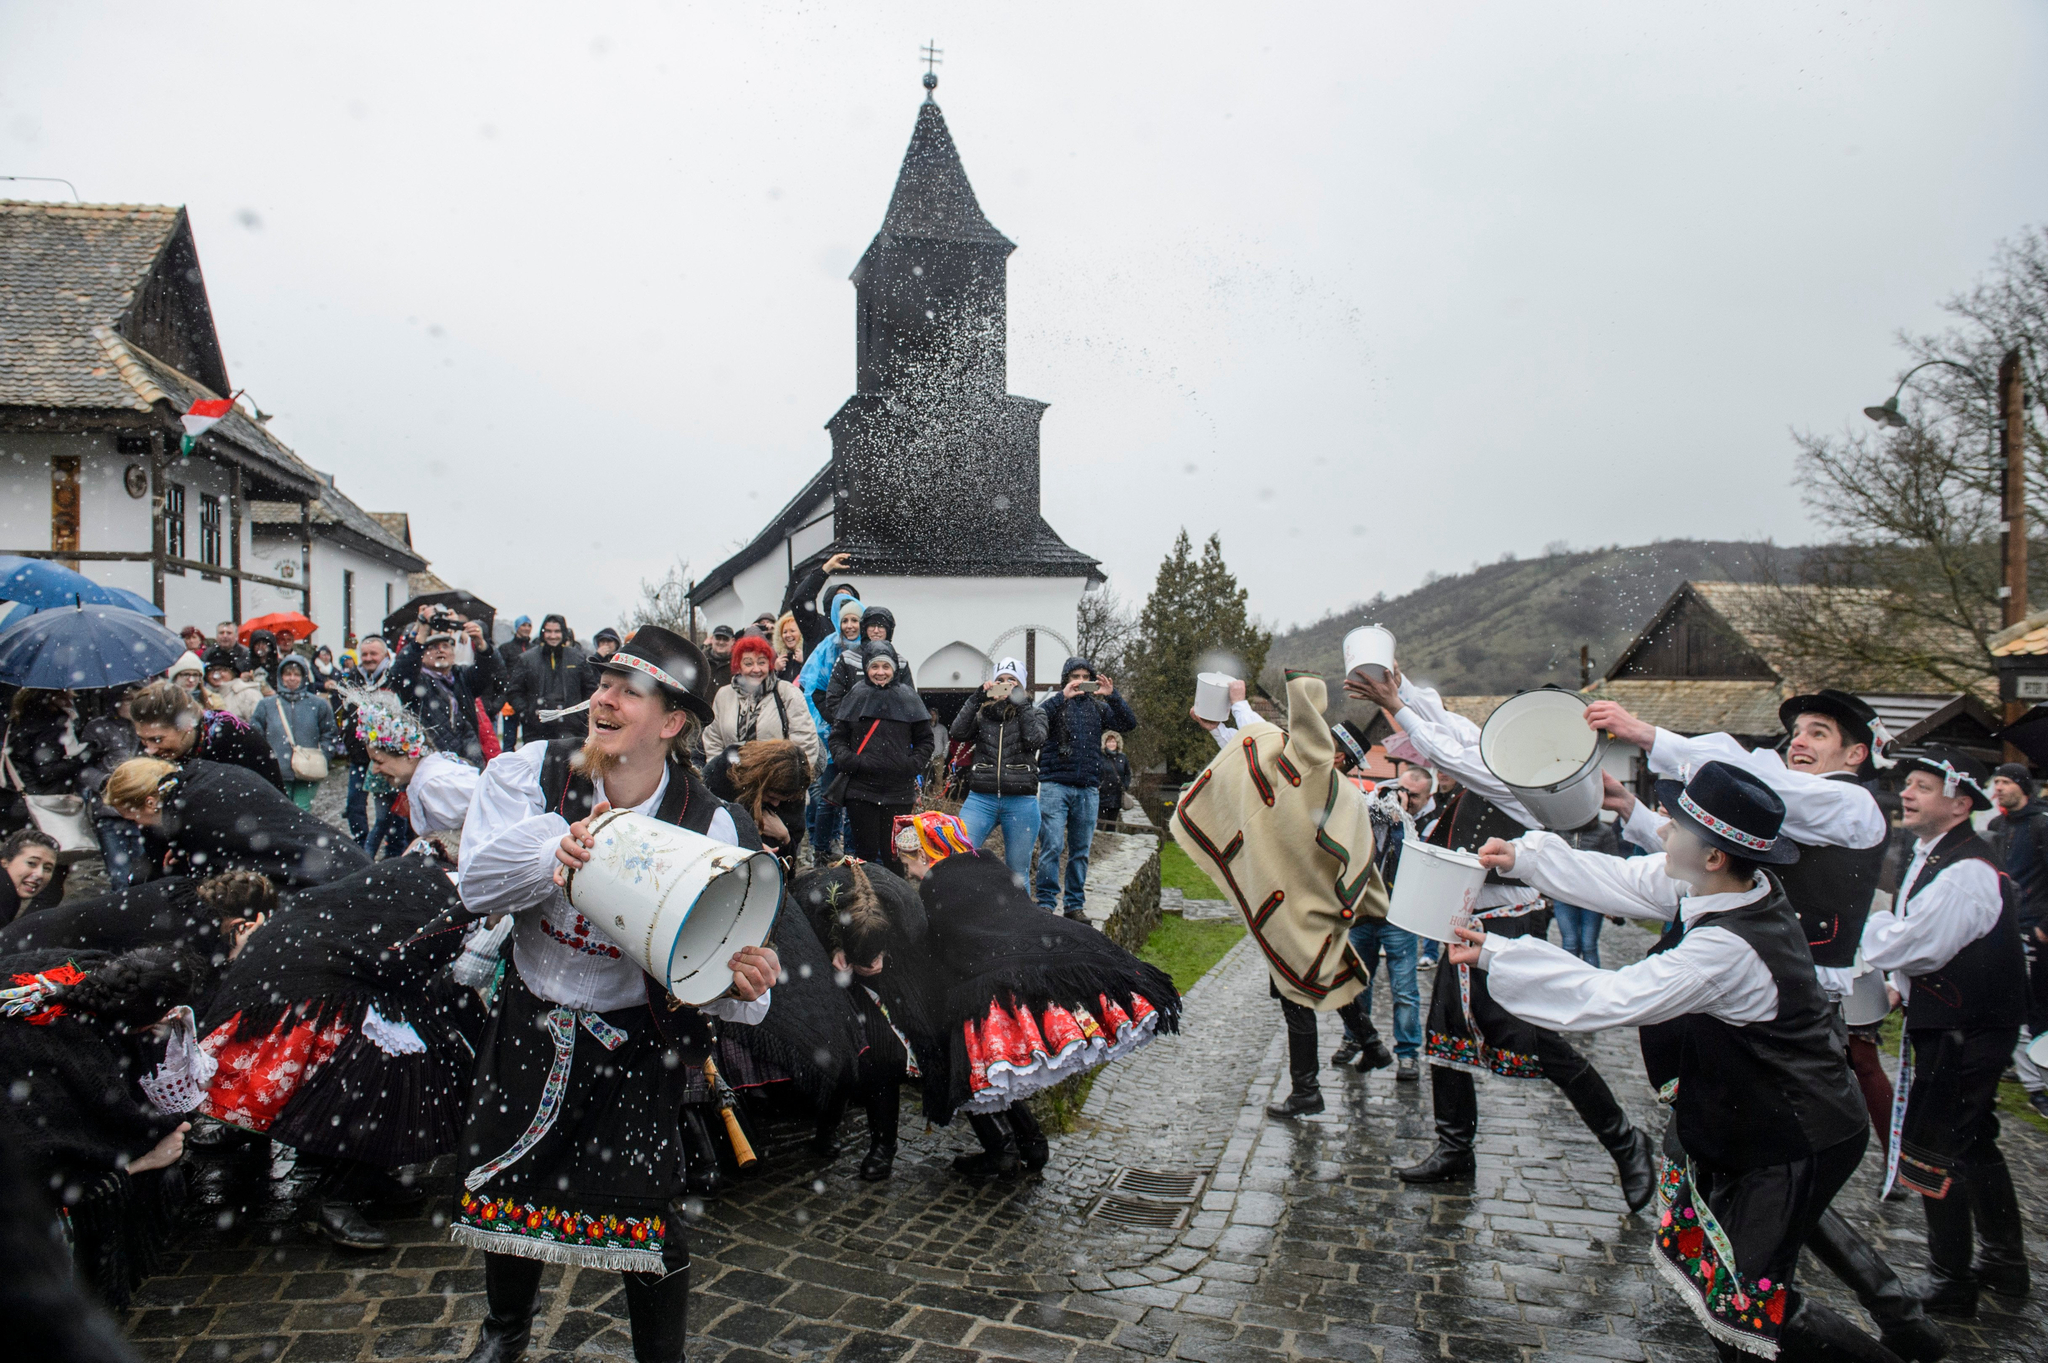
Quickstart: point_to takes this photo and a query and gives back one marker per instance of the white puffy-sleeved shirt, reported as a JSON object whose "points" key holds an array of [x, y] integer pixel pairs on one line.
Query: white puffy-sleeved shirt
{"points": [[1925, 932], [1241, 715], [437, 798], [1710, 971], [1450, 742], [1820, 811], [508, 867]]}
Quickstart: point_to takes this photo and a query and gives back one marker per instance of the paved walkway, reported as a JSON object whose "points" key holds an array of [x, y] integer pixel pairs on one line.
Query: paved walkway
{"points": [[1294, 1241]]}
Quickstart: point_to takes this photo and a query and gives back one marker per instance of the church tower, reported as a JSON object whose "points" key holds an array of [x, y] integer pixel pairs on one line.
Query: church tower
{"points": [[936, 463]]}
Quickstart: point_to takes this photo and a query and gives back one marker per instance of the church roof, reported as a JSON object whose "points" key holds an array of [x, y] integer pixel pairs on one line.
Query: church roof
{"points": [[933, 200]]}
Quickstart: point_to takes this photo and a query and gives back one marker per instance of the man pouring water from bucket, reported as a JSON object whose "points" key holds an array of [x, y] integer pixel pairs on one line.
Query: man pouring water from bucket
{"points": [[574, 1148], [1468, 1033]]}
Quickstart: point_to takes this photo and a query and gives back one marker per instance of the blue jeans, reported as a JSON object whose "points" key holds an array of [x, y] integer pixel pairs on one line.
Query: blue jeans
{"points": [[1066, 828], [1578, 931], [355, 810], [1372, 938], [827, 822], [1018, 815]]}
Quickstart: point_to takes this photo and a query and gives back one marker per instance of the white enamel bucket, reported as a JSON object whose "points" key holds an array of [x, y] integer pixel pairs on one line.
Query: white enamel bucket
{"points": [[1370, 647], [676, 902], [1212, 696], [1538, 744], [1867, 1003], [1435, 890]]}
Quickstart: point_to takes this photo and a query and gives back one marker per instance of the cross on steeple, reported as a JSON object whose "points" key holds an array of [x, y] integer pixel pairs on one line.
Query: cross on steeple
{"points": [[933, 56]]}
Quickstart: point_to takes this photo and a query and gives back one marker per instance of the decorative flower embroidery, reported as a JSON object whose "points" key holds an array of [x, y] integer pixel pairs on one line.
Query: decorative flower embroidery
{"points": [[580, 937], [563, 1225], [1690, 1247]]}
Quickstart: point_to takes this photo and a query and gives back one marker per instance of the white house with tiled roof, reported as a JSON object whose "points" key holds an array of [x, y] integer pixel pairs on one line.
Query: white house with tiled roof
{"points": [[106, 339]]}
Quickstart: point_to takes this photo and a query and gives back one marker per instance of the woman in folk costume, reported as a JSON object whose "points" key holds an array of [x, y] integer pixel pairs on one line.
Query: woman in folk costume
{"points": [[1737, 1033], [336, 1032], [872, 924], [1273, 821], [1468, 1034], [1956, 960], [1025, 999], [98, 1064], [204, 818]]}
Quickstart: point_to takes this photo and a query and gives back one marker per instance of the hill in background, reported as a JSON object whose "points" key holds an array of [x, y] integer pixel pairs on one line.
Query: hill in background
{"points": [[1518, 624]]}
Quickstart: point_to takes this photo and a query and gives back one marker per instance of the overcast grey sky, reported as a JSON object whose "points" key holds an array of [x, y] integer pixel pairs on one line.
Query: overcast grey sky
{"points": [[1373, 289]]}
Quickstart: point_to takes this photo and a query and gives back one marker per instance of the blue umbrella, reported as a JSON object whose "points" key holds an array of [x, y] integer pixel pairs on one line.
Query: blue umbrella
{"points": [[85, 648], [45, 585], [116, 596]]}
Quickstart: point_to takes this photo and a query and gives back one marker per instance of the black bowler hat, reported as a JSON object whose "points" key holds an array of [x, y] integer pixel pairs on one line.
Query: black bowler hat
{"points": [[1958, 772], [671, 661], [1727, 808], [1859, 722]]}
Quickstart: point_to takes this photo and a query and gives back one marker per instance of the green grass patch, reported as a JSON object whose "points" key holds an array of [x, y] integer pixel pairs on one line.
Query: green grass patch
{"points": [[1185, 950], [1178, 871]]}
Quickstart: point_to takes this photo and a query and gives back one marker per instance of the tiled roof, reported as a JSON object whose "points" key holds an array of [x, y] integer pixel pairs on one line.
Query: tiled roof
{"points": [[66, 269], [2029, 638], [333, 508], [397, 523], [150, 380], [1698, 707], [933, 200], [1478, 709]]}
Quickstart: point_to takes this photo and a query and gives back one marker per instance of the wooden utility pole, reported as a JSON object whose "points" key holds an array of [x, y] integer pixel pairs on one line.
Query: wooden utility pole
{"points": [[2012, 440]]}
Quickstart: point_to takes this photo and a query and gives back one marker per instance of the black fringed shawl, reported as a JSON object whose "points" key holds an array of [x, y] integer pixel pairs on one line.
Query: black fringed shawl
{"points": [[378, 936], [219, 818], [908, 986], [811, 1031], [160, 912], [71, 1112]]}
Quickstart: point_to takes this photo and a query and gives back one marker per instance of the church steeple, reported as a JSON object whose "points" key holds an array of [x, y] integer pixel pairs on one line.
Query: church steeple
{"points": [[932, 286]]}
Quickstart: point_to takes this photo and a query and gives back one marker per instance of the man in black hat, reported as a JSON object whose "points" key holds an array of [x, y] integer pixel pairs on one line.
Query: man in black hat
{"points": [[2019, 833], [1953, 950], [574, 1148], [1833, 818], [721, 656], [1466, 1033], [1736, 1032]]}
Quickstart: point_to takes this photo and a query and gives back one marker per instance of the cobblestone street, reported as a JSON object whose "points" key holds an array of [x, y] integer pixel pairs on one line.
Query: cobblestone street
{"points": [[1294, 1241]]}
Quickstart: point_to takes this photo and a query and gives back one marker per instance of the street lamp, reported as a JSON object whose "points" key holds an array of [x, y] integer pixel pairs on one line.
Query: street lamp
{"points": [[1887, 413], [2010, 402]]}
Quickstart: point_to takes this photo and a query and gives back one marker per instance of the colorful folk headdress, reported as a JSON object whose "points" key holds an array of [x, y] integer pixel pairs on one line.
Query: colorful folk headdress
{"points": [[936, 835]]}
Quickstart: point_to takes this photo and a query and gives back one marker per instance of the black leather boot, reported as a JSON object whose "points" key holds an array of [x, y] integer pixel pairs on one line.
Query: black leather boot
{"points": [[2001, 1265], [998, 1155], [1372, 1052], [1303, 1066], [1950, 1287], [1814, 1334], [1634, 1161], [1901, 1321], [1032, 1148], [883, 1112], [1456, 1100], [658, 1309], [700, 1163], [825, 1135], [510, 1285]]}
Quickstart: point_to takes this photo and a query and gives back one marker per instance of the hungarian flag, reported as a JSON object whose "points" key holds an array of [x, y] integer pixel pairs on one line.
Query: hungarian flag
{"points": [[201, 418]]}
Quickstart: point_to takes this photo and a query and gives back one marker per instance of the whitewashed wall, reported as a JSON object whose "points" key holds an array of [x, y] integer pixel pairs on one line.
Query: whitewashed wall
{"points": [[330, 560]]}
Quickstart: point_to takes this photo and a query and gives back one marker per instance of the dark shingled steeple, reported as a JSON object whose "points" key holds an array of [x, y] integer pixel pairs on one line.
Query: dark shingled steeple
{"points": [[933, 200]]}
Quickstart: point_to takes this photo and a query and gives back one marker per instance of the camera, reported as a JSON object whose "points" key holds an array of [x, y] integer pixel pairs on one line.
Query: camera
{"points": [[445, 621]]}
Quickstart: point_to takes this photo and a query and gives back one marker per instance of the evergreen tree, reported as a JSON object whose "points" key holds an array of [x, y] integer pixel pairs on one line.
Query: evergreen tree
{"points": [[1196, 610]]}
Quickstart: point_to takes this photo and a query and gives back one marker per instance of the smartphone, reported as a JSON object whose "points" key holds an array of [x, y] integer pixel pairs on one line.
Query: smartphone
{"points": [[1089, 688], [1002, 690]]}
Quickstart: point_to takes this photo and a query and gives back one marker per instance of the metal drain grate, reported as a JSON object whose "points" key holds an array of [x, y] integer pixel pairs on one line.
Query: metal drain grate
{"points": [[1138, 1211], [1161, 1185]]}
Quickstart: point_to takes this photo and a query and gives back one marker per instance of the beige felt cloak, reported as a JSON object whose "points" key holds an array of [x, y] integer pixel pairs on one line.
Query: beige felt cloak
{"points": [[1290, 841]]}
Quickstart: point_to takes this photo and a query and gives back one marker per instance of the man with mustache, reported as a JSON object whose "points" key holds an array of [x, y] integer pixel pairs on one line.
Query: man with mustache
{"points": [[574, 1147]]}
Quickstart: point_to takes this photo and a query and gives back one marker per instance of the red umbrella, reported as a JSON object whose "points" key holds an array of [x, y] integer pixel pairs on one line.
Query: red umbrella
{"points": [[279, 623]]}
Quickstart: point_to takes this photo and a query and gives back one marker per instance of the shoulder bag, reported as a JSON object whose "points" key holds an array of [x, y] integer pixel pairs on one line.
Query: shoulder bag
{"points": [[308, 764], [63, 817]]}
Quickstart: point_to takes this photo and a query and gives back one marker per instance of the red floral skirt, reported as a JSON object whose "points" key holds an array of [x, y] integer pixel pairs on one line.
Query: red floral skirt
{"points": [[259, 1074], [1014, 1052]]}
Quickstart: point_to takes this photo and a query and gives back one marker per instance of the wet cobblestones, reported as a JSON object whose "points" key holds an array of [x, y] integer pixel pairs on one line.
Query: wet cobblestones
{"points": [[1302, 1244]]}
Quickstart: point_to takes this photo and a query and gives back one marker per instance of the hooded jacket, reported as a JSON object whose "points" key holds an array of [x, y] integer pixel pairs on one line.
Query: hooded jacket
{"points": [[882, 739], [816, 679], [1007, 735], [851, 669], [550, 677], [1072, 755], [303, 718]]}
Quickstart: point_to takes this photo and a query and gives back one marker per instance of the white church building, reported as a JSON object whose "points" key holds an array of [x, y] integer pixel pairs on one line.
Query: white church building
{"points": [[932, 486]]}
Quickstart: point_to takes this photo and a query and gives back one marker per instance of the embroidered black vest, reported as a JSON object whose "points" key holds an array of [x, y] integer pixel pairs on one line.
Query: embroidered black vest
{"points": [[1830, 889], [1759, 1093], [1985, 985]]}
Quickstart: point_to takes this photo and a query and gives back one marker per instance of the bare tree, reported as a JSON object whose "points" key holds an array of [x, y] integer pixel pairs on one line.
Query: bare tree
{"points": [[1907, 593], [1103, 630], [667, 602]]}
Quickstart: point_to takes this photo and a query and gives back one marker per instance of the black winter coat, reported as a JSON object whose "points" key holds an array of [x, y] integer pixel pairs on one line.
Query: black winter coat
{"points": [[1007, 735], [447, 707], [1116, 779], [35, 744], [550, 679], [885, 772]]}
